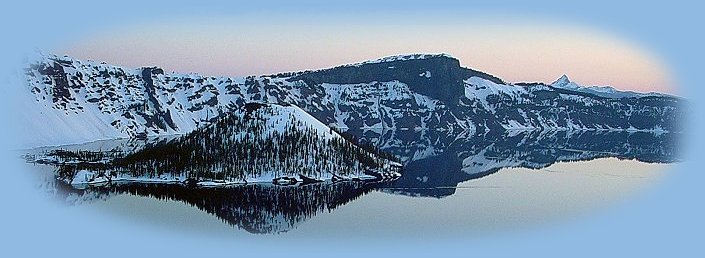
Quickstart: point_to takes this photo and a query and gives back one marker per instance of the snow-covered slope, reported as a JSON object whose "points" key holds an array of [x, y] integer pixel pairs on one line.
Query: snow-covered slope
{"points": [[84, 101], [256, 143]]}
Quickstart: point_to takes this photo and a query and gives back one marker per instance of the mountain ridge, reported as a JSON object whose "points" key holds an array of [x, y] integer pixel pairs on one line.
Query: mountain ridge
{"points": [[98, 101], [603, 91]]}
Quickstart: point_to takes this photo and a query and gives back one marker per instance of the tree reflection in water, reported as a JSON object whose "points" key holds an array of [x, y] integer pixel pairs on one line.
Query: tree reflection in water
{"points": [[434, 164]]}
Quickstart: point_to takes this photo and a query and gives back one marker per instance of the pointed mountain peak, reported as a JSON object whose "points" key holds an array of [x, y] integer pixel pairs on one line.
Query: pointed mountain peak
{"points": [[564, 82]]}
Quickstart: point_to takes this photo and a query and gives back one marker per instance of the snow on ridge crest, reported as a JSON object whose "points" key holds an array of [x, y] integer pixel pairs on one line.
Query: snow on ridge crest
{"points": [[277, 115], [565, 83], [603, 91], [402, 57], [39, 57]]}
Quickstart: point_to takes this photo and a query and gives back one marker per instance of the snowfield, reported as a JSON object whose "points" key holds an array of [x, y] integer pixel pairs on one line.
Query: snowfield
{"points": [[87, 101]]}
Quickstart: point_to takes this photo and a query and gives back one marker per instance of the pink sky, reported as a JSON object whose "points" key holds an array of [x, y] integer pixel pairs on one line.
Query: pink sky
{"points": [[512, 50]]}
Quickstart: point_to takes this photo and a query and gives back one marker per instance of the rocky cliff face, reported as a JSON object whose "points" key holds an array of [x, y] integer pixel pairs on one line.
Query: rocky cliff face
{"points": [[437, 76], [88, 100]]}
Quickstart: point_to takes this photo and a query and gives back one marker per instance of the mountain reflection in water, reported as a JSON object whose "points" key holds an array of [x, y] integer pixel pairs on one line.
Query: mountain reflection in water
{"points": [[256, 208], [435, 163]]}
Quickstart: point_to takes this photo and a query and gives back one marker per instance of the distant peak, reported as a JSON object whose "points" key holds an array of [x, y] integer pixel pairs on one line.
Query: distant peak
{"points": [[562, 81], [404, 57]]}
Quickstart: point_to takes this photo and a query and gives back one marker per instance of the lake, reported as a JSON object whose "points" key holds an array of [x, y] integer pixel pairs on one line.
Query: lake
{"points": [[464, 186]]}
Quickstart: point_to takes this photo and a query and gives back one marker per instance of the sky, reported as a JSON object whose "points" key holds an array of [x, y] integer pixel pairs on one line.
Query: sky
{"points": [[515, 49]]}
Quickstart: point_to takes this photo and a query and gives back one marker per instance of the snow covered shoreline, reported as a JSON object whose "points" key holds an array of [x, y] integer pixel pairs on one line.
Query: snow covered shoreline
{"points": [[86, 178]]}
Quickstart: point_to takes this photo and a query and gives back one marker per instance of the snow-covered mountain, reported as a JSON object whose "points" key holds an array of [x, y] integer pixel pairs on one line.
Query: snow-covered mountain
{"points": [[255, 143], [84, 101], [603, 91]]}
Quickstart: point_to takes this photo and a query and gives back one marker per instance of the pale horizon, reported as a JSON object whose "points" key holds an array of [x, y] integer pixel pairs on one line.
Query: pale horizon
{"points": [[513, 51]]}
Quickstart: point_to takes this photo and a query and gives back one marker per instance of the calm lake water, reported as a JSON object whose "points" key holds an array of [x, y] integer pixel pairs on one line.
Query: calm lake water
{"points": [[505, 200], [463, 187]]}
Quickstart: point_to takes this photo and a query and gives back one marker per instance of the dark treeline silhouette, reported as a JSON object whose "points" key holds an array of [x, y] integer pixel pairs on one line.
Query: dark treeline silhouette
{"points": [[256, 208], [267, 208], [257, 141], [366, 145], [62, 156]]}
